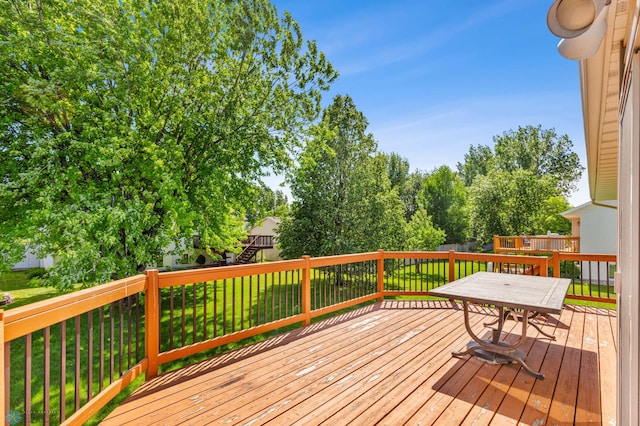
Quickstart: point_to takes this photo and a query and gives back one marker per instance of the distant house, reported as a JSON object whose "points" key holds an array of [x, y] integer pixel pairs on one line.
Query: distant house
{"points": [[268, 227], [192, 257], [596, 225], [31, 260]]}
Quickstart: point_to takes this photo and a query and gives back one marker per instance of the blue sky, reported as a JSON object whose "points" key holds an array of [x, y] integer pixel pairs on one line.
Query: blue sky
{"points": [[434, 77]]}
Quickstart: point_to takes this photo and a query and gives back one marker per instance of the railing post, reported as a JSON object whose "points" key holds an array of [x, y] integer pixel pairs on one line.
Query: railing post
{"points": [[544, 266], [556, 264], [380, 275], [152, 319], [4, 404], [306, 289], [496, 243], [452, 265]]}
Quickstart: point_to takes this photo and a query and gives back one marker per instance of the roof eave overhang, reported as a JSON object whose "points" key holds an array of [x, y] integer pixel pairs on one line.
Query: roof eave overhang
{"points": [[600, 90]]}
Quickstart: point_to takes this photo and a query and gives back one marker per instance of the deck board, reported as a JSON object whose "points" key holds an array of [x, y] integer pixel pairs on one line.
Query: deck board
{"points": [[390, 363]]}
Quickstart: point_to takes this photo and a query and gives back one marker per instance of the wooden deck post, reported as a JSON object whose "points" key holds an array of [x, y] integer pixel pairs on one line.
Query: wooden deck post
{"points": [[556, 264], [518, 243], [452, 265], [306, 289], [152, 319], [380, 275], [496, 243], [4, 401], [544, 266]]}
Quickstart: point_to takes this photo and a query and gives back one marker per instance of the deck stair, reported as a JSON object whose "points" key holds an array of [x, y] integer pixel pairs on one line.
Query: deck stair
{"points": [[252, 246]]}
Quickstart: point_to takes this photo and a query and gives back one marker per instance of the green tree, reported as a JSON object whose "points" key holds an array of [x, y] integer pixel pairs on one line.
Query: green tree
{"points": [[507, 203], [444, 200], [397, 169], [407, 184], [549, 218], [541, 151], [422, 235], [477, 162], [267, 202], [342, 197], [410, 193], [127, 125]]}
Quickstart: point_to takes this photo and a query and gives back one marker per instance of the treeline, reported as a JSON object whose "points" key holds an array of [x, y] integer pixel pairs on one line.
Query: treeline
{"points": [[127, 127], [348, 197]]}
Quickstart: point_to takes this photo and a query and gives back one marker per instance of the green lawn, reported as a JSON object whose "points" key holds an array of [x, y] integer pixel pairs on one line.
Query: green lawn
{"points": [[17, 284]]}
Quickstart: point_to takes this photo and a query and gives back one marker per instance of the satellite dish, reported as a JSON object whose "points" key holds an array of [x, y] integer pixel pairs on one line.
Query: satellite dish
{"points": [[581, 24]]}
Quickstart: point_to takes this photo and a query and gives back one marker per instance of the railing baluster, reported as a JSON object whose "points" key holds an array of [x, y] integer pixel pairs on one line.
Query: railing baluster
{"points": [[299, 294], [194, 314], [182, 317], [250, 279], [101, 367], [280, 295], [121, 348], [288, 288], [204, 310], [264, 301], [76, 383], [242, 307], [89, 354], [129, 333], [112, 342], [63, 369], [273, 295], [171, 319], [224, 306], [138, 298], [27, 379], [233, 305], [46, 394], [7, 377], [215, 308]]}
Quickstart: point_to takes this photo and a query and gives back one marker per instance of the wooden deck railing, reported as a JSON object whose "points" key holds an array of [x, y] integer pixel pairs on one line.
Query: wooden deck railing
{"points": [[537, 244], [65, 358]]}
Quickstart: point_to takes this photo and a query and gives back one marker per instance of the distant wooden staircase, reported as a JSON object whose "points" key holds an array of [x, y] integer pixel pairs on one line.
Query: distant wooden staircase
{"points": [[252, 246]]}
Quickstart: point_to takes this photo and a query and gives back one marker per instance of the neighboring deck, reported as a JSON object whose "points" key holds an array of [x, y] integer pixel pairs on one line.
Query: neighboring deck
{"points": [[390, 363], [536, 244]]}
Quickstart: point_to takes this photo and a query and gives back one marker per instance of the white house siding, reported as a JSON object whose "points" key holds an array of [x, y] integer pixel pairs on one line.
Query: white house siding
{"points": [[31, 260], [596, 226], [629, 249], [178, 261], [268, 226]]}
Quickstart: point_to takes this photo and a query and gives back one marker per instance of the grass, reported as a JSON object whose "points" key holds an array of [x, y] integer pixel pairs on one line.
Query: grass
{"points": [[17, 283]]}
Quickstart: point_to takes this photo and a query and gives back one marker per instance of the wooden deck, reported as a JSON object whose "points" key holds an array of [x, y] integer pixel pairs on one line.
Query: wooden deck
{"points": [[390, 363]]}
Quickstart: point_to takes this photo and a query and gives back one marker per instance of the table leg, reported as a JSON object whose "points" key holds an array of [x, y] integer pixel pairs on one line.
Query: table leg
{"points": [[510, 313], [494, 350]]}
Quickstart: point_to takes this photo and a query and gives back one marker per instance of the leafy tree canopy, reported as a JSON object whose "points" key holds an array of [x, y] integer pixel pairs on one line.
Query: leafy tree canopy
{"points": [[127, 125], [407, 184], [541, 151], [508, 203], [549, 218], [477, 162], [444, 199], [422, 235], [342, 196], [267, 202]]}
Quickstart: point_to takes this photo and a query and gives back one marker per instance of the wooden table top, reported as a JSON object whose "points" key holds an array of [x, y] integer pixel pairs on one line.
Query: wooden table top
{"points": [[532, 293]]}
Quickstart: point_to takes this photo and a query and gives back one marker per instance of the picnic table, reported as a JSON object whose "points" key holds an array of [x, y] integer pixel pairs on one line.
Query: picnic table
{"points": [[523, 294]]}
